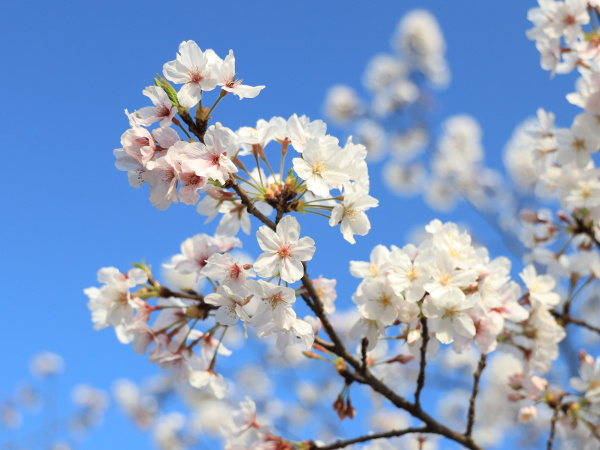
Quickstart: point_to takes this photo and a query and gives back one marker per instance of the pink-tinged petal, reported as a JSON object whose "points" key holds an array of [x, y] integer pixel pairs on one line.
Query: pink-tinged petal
{"points": [[263, 314], [189, 95], [227, 316], [284, 316], [318, 186], [444, 331], [243, 91], [464, 324], [291, 271], [200, 378], [176, 72], [288, 229], [304, 249], [267, 265], [268, 240], [302, 168]]}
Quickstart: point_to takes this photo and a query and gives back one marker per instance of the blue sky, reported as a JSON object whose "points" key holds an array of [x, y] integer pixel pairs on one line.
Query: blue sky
{"points": [[71, 68]]}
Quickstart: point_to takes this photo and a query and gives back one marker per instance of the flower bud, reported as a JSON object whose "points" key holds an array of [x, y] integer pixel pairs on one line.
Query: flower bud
{"points": [[169, 90], [527, 413], [528, 216]]}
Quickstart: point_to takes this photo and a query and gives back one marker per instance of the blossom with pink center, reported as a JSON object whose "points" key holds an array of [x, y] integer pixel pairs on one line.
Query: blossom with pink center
{"points": [[210, 159], [226, 76], [225, 270], [275, 306], [195, 251], [283, 250], [163, 183], [163, 109], [230, 306], [138, 143], [194, 70], [322, 165]]}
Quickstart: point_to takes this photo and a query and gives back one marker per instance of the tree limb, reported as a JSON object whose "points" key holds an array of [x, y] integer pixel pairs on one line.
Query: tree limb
{"points": [[476, 377], [370, 437]]}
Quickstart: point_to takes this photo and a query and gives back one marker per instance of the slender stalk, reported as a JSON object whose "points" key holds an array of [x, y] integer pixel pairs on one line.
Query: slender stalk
{"points": [[284, 147], [370, 437], [553, 422], [476, 377], [221, 96], [423, 362]]}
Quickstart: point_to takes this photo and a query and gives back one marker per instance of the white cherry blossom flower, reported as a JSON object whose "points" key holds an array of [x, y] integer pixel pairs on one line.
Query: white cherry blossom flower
{"points": [[226, 75], [230, 306], [191, 68], [163, 109], [275, 305], [322, 165], [283, 250], [350, 213], [540, 287], [449, 317]]}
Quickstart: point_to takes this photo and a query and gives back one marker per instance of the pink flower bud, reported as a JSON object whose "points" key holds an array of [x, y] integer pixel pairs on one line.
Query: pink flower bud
{"points": [[514, 397], [515, 381], [529, 216]]}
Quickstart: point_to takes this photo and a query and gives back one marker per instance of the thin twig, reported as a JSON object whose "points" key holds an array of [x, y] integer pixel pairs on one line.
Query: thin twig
{"points": [[476, 377], [566, 319], [198, 132], [421, 377], [553, 422], [370, 437], [363, 353]]}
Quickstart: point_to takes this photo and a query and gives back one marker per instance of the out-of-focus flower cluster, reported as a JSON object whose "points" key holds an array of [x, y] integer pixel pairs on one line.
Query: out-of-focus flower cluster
{"points": [[29, 417]]}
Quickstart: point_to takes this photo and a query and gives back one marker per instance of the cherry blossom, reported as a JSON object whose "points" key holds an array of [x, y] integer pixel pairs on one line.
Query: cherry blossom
{"points": [[284, 251]]}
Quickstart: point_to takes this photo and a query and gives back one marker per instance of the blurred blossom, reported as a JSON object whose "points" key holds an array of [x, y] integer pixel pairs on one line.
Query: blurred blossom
{"points": [[342, 104], [46, 364], [370, 134]]}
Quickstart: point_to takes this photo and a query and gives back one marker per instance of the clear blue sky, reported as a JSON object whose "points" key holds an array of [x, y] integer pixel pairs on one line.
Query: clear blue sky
{"points": [[69, 69]]}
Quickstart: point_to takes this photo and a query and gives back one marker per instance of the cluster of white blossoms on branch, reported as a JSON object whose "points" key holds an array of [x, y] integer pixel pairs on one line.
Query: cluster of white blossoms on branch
{"points": [[465, 297], [443, 295]]}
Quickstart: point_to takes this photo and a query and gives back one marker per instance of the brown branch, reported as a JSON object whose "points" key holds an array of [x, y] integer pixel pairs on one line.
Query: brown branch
{"points": [[370, 437], [363, 354], [340, 349], [199, 133], [249, 204], [565, 319], [553, 422], [421, 377], [476, 377]]}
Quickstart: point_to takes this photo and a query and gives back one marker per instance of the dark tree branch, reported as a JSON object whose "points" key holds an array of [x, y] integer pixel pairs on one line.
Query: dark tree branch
{"points": [[199, 133], [423, 362], [363, 354], [553, 422], [476, 377], [370, 437], [565, 319]]}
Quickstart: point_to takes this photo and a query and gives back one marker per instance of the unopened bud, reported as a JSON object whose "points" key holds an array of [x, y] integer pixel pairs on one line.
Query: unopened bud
{"points": [[169, 90], [515, 381], [514, 397], [196, 312], [562, 216], [529, 216], [527, 413], [402, 359], [539, 383]]}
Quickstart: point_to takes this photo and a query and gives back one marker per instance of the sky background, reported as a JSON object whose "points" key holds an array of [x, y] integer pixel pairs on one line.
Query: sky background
{"points": [[69, 69]]}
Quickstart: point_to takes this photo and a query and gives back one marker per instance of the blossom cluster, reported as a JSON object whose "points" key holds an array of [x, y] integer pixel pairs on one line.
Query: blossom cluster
{"points": [[443, 290], [465, 296]]}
